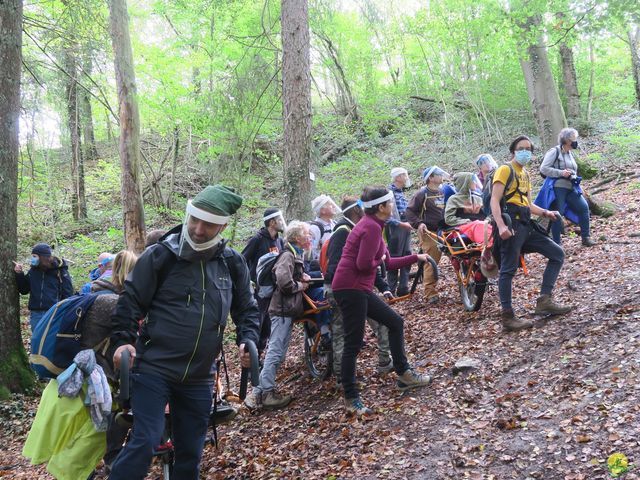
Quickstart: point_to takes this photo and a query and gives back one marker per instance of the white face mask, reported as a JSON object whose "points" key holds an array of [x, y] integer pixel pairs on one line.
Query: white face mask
{"points": [[200, 247]]}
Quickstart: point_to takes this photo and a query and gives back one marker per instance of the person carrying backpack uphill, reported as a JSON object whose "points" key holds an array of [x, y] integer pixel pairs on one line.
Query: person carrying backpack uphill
{"points": [[63, 433], [287, 304], [511, 194], [560, 169], [48, 281], [266, 240], [186, 286]]}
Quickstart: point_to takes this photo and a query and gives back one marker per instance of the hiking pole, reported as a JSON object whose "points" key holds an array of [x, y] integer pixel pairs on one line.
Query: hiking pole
{"points": [[125, 361], [254, 370]]}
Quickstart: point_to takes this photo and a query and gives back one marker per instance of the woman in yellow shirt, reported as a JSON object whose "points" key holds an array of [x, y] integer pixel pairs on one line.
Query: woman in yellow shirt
{"points": [[511, 194]]}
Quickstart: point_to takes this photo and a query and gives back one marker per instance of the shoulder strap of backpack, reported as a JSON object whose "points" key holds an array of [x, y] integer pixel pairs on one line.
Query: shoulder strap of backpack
{"points": [[319, 225], [556, 162], [168, 261], [510, 178]]}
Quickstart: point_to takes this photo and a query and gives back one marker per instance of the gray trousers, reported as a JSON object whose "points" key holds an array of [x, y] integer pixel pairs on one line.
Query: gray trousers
{"points": [[337, 335], [276, 352]]}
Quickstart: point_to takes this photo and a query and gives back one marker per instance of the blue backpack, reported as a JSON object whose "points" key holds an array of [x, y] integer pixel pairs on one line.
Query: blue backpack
{"points": [[56, 338]]}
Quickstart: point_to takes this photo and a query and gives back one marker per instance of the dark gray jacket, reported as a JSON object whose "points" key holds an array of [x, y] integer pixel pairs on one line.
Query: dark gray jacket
{"points": [[186, 305]]}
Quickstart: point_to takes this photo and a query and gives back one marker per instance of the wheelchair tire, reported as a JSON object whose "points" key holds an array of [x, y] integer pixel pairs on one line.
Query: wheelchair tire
{"points": [[472, 294], [318, 363]]}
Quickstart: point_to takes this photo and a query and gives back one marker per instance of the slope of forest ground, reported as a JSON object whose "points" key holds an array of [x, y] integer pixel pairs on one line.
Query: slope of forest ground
{"points": [[553, 402]]}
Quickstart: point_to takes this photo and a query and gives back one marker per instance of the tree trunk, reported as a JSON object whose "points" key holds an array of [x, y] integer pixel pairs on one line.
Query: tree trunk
{"points": [[592, 69], [90, 150], [132, 207], [78, 200], [634, 45], [570, 82], [15, 374], [543, 93], [296, 100]]}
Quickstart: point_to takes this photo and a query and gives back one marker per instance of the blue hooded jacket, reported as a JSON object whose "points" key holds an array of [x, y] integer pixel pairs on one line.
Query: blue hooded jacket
{"points": [[547, 196], [47, 287]]}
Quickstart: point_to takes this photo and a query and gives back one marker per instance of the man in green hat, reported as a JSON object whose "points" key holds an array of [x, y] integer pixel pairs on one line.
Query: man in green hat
{"points": [[185, 287]]}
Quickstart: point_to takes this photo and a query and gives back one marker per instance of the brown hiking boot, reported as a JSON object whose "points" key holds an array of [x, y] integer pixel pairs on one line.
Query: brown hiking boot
{"points": [[272, 400], [547, 306], [511, 323]]}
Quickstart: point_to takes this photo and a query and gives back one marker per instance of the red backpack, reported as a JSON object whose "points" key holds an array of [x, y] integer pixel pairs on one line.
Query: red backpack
{"points": [[324, 252]]}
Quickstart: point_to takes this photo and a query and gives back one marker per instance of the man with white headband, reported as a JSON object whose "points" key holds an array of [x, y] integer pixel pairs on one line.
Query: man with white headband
{"points": [[184, 287], [398, 232], [426, 211], [266, 240]]}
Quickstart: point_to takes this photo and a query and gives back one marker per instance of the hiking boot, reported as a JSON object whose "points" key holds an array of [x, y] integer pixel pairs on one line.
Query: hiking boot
{"points": [[253, 401], [354, 406], [402, 292], [272, 400], [547, 306], [588, 242], [412, 379], [433, 300], [511, 323], [385, 367]]}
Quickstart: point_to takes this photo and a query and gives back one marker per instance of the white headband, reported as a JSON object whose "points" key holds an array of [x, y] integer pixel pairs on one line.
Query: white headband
{"points": [[378, 201], [206, 216], [273, 215], [352, 206]]}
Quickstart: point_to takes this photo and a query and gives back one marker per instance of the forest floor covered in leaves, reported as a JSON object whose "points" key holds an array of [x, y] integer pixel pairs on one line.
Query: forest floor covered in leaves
{"points": [[550, 403]]}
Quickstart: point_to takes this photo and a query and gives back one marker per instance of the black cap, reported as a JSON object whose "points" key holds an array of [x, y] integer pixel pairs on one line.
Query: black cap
{"points": [[42, 249]]}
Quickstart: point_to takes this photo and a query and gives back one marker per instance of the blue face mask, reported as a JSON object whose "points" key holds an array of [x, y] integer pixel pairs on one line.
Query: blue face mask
{"points": [[523, 157], [35, 261]]}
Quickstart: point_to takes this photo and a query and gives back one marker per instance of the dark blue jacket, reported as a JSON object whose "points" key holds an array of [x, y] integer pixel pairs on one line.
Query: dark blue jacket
{"points": [[260, 244], [47, 287]]}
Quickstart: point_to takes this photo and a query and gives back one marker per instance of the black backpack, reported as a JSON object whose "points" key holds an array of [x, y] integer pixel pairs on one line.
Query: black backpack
{"points": [[488, 186]]}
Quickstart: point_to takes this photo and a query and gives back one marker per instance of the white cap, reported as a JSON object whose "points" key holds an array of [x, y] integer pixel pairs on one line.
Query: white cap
{"points": [[395, 172]]}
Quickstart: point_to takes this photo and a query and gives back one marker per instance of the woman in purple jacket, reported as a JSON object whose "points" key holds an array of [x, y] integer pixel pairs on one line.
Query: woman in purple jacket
{"points": [[353, 289]]}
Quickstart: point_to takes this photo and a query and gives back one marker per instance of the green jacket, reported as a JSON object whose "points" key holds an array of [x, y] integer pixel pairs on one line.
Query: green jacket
{"points": [[453, 214]]}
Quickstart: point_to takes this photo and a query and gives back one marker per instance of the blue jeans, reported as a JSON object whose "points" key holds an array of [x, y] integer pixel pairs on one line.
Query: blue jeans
{"points": [[34, 317], [576, 202], [190, 405]]}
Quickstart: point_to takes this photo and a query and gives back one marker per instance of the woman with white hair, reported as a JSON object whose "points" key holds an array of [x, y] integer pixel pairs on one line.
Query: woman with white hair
{"points": [[559, 164], [287, 304]]}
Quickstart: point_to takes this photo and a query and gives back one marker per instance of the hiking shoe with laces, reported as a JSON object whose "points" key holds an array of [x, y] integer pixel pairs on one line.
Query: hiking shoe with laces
{"points": [[253, 401], [385, 367], [412, 379], [588, 242], [545, 305], [272, 400], [511, 323], [354, 406]]}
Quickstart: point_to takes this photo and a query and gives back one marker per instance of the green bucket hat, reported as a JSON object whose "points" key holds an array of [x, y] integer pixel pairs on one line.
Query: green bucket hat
{"points": [[218, 200]]}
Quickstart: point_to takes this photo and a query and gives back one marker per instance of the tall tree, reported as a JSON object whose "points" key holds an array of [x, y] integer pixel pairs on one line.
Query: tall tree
{"points": [[570, 82], [132, 206], [78, 198], [541, 87], [15, 374], [634, 44], [296, 101], [90, 151]]}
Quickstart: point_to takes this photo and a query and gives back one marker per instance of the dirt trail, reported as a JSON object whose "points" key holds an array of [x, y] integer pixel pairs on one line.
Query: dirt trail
{"points": [[550, 403]]}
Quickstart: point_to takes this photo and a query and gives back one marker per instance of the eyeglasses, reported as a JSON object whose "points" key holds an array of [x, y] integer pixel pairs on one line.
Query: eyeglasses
{"points": [[523, 148]]}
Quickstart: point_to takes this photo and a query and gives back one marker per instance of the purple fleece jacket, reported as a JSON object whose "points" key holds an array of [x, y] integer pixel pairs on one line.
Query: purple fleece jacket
{"points": [[363, 254]]}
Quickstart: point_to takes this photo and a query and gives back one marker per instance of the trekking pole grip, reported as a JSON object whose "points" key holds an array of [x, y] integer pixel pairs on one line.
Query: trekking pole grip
{"points": [[254, 370]]}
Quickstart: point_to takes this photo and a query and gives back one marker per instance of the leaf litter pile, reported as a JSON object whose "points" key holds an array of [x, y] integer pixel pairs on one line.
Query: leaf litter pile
{"points": [[554, 402]]}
